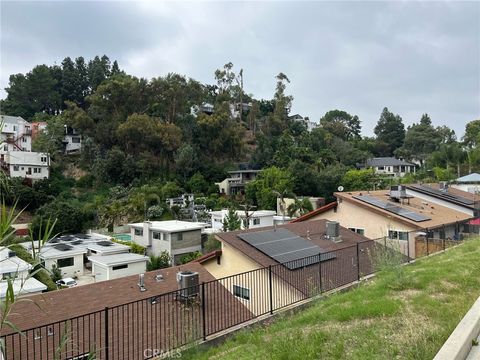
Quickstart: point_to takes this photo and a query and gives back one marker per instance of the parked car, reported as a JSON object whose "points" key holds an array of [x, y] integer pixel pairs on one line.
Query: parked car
{"points": [[66, 282]]}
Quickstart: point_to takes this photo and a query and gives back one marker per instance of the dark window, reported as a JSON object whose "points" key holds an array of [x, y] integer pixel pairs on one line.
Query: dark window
{"points": [[118, 267], [76, 140], [138, 232], [157, 235], [65, 262], [256, 221], [241, 292]]}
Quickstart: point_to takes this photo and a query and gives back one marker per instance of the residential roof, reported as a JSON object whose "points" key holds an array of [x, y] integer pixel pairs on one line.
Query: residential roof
{"points": [[451, 194], [117, 259], [314, 230], [172, 225], [12, 119], [244, 171], [12, 264], [56, 306], [315, 212], [387, 161], [22, 287], [470, 178], [438, 214]]}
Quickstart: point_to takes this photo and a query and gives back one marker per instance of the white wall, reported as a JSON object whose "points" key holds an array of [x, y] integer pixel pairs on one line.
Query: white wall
{"points": [[103, 273], [163, 244], [471, 188], [70, 271], [100, 272]]}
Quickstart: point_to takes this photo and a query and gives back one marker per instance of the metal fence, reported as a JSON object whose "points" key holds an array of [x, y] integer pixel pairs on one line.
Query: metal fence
{"points": [[155, 326]]}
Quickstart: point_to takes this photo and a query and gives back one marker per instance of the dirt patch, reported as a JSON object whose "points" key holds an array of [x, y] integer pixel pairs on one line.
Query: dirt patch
{"points": [[74, 172], [407, 294]]}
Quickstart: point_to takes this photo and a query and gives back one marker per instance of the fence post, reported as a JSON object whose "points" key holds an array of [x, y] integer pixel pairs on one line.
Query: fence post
{"points": [[204, 325], [320, 270], [427, 242], [358, 262], [408, 247], [107, 349], [270, 288]]}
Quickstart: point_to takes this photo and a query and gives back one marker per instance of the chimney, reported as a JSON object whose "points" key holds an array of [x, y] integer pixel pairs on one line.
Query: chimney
{"points": [[333, 231], [141, 282], [146, 233]]}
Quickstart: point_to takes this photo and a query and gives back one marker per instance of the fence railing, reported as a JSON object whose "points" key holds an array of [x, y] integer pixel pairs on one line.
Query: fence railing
{"points": [[160, 324]]}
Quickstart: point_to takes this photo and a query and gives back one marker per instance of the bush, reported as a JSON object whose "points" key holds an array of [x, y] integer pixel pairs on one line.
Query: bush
{"points": [[159, 262], [135, 248], [212, 244], [189, 257]]}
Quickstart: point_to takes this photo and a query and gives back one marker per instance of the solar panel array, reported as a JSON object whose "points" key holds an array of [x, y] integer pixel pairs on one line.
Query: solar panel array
{"points": [[286, 247], [63, 247], [443, 195], [394, 209]]}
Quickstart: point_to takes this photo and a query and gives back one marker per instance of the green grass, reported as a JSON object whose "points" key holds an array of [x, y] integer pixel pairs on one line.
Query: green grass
{"points": [[403, 313]]}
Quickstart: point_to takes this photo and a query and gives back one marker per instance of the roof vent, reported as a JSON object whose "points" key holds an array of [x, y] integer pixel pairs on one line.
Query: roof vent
{"points": [[141, 282], [398, 192], [187, 285], [12, 254], [443, 186], [158, 277], [333, 231]]}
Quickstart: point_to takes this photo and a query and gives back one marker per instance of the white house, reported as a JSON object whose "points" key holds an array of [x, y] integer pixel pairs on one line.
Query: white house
{"points": [[390, 166], [15, 134], [256, 219], [469, 183], [17, 269], [23, 164], [178, 238], [304, 120], [72, 141], [236, 182], [117, 266], [69, 259]]}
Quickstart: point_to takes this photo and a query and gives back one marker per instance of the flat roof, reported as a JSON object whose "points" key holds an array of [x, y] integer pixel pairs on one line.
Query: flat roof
{"points": [[171, 225], [30, 285], [241, 213], [68, 245], [117, 259], [12, 264]]}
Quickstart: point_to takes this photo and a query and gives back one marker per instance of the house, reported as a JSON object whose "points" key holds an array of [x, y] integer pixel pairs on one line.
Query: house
{"points": [[293, 252], [72, 141], [394, 215], [181, 201], [177, 238], [447, 196], [469, 183], [90, 254], [23, 164], [256, 219], [236, 182], [18, 270], [389, 166], [117, 266], [120, 316], [304, 120], [15, 134]]}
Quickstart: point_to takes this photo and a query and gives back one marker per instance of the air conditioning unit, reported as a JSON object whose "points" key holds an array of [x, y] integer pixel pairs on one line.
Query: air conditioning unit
{"points": [[333, 231], [188, 284], [398, 192], [443, 186]]}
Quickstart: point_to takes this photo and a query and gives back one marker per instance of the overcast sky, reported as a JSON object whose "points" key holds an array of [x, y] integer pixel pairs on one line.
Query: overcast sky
{"points": [[412, 57]]}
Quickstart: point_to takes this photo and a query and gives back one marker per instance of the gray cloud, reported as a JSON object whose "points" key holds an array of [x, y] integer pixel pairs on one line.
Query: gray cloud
{"points": [[412, 57]]}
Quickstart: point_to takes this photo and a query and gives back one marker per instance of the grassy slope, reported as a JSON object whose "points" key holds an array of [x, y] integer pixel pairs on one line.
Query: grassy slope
{"points": [[401, 314]]}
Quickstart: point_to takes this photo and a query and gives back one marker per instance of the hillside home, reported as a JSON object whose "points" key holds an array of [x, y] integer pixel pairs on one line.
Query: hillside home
{"points": [[18, 270], [141, 318], [15, 134], [446, 195], [290, 244], [304, 120], [176, 237], [391, 214], [72, 141], [90, 254], [256, 219], [27, 165], [469, 183], [389, 166], [236, 182]]}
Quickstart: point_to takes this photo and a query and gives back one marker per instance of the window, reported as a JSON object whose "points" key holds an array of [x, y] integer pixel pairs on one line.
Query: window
{"points": [[76, 140], [24, 139], [39, 170], [397, 235], [118, 267], [256, 221], [358, 230], [43, 159], [34, 170], [241, 292], [177, 236], [381, 168], [65, 262], [138, 232], [16, 167], [157, 235]]}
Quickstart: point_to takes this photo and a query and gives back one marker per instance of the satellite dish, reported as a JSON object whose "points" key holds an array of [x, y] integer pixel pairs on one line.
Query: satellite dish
{"points": [[340, 188]]}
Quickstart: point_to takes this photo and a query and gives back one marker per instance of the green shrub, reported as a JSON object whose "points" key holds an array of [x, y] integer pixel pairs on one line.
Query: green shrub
{"points": [[135, 248], [189, 257], [158, 262]]}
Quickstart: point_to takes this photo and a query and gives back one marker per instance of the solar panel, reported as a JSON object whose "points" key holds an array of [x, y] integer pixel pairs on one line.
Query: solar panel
{"points": [[63, 247], [285, 247], [444, 195], [77, 242], [394, 209], [105, 243]]}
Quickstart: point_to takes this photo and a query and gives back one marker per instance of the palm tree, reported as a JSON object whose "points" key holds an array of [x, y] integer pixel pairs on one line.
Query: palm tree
{"points": [[282, 195]]}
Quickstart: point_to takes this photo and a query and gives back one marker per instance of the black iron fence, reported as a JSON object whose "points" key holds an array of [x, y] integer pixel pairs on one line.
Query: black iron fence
{"points": [[156, 326]]}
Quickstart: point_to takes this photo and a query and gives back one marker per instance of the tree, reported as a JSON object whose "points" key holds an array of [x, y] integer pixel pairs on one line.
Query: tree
{"points": [[355, 180], [299, 207], [55, 273], [472, 134], [390, 130], [341, 124], [69, 218], [261, 190], [161, 261], [231, 222]]}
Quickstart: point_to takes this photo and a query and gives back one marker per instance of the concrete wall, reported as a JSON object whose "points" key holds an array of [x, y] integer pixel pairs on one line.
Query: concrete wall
{"points": [[190, 239]]}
